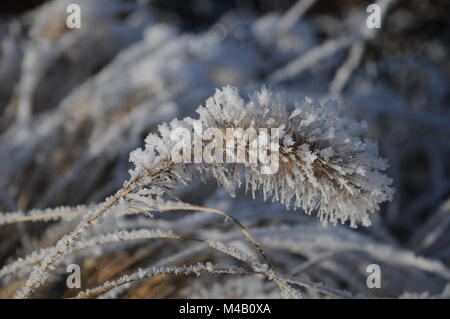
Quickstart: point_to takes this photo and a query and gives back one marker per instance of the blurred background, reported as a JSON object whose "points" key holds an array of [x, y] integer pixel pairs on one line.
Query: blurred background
{"points": [[75, 102]]}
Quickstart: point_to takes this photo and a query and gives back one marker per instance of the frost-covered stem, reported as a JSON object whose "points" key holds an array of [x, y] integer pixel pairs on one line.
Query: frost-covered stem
{"points": [[123, 193], [312, 57], [29, 286], [145, 234], [243, 229], [291, 17], [319, 287], [104, 240], [356, 52], [345, 71], [330, 47], [75, 236], [173, 208], [45, 216], [200, 268]]}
